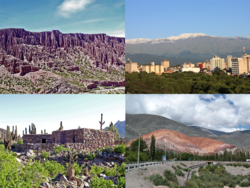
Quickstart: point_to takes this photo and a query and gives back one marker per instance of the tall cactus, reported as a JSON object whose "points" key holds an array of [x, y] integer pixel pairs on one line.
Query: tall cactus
{"points": [[32, 130], [41, 131], [25, 130], [45, 131], [8, 136], [16, 136]]}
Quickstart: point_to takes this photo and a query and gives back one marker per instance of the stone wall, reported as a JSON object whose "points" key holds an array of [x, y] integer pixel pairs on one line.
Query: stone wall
{"points": [[79, 139], [88, 145], [83, 136], [37, 138]]}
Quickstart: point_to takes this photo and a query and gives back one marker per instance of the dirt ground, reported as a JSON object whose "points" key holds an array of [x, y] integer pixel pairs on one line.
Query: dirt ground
{"points": [[135, 178]]}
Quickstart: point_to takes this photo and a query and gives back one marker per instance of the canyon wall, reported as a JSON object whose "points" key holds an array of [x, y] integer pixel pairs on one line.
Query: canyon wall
{"points": [[23, 51]]}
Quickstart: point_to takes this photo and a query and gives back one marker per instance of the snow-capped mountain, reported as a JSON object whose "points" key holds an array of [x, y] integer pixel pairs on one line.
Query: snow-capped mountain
{"points": [[169, 39]]}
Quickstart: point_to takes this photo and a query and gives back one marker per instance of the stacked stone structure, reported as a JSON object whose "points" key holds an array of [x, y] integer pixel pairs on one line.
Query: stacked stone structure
{"points": [[79, 139], [37, 138]]}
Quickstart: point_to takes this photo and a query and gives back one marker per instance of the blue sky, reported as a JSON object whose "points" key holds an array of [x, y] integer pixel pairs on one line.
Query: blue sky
{"points": [[68, 16], [46, 111], [218, 112], [164, 18]]}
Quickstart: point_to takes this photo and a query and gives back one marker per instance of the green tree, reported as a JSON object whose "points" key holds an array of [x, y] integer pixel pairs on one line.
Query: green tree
{"points": [[134, 145], [114, 130], [152, 147]]}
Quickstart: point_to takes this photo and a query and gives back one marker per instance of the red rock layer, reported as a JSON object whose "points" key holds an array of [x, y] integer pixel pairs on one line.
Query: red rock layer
{"points": [[179, 142]]}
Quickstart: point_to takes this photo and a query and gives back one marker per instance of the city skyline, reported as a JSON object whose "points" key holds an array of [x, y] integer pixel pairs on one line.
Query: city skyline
{"points": [[67, 16], [162, 19], [46, 111]]}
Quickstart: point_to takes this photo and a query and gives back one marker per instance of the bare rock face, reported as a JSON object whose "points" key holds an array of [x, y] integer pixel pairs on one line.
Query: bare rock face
{"points": [[181, 143], [22, 51]]}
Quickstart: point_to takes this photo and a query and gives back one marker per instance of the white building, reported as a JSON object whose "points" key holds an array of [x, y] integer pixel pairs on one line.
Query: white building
{"points": [[195, 69], [217, 62], [229, 61], [188, 65]]}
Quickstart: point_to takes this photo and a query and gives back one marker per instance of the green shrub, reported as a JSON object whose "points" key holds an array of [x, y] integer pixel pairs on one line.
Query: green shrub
{"points": [[178, 172], [170, 176], [90, 156], [60, 148], [96, 170], [121, 169], [121, 182], [120, 149], [100, 182], [158, 180], [2, 148], [44, 154], [245, 184], [53, 168], [111, 171], [20, 142], [183, 165]]}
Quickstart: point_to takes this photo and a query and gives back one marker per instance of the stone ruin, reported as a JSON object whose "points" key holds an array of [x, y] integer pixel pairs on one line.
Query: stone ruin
{"points": [[79, 139]]}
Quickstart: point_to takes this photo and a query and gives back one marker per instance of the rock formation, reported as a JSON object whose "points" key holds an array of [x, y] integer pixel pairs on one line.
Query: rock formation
{"points": [[181, 143], [23, 51]]}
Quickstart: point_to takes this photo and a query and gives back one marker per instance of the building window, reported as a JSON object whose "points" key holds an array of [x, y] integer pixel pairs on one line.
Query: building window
{"points": [[74, 139], [43, 140]]}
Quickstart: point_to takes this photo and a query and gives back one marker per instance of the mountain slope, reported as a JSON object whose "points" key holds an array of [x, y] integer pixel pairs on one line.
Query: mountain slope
{"points": [[120, 126], [200, 46], [146, 123], [175, 141]]}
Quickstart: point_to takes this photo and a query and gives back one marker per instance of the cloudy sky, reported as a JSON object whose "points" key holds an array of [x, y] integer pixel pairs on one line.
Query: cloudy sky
{"points": [[68, 16], [46, 111], [165, 18], [219, 112]]}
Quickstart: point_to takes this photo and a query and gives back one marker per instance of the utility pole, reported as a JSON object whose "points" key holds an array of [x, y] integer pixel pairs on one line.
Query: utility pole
{"points": [[138, 145], [174, 156]]}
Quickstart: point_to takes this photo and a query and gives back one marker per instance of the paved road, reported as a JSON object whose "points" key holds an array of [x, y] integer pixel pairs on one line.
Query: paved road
{"points": [[135, 178]]}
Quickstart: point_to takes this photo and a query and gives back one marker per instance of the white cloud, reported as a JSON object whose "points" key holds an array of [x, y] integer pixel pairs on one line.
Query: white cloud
{"points": [[209, 111], [119, 4], [69, 7]]}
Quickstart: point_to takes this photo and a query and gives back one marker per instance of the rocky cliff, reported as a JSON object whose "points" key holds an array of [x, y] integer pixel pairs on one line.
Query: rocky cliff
{"points": [[181, 143], [22, 51]]}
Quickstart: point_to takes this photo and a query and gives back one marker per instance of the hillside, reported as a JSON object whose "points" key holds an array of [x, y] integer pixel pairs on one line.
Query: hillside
{"points": [[146, 123], [181, 143], [120, 126]]}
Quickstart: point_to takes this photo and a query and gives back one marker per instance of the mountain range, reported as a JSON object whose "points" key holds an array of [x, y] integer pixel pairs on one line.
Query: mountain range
{"points": [[147, 123], [121, 127], [189, 47]]}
